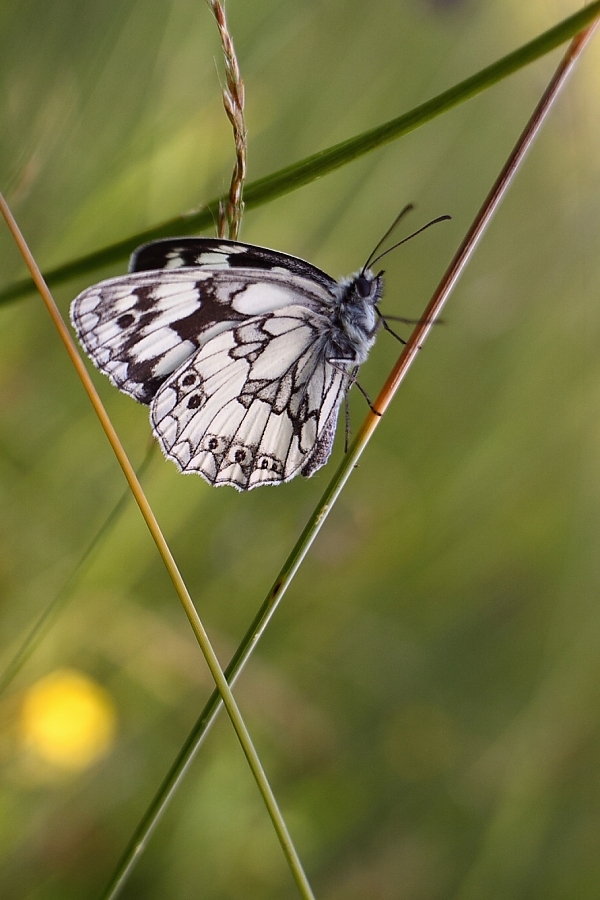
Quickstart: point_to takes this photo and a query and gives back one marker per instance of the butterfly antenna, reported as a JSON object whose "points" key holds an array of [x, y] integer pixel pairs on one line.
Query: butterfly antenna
{"points": [[404, 240], [401, 215]]}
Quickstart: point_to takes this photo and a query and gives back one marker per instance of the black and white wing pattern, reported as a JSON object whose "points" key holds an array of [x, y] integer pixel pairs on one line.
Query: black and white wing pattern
{"points": [[252, 405], [180, 253], [243, 353]]}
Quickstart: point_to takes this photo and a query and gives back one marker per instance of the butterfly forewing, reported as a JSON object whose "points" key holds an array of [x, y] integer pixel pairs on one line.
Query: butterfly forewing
{"points": [[138, 329], [221, 254]]}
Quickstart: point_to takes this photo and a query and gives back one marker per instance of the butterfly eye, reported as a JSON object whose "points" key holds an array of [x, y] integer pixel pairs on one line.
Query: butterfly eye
{"points": [[363, 286]]}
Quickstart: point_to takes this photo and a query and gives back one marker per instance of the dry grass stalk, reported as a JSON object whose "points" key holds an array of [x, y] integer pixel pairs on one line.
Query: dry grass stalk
{"points": [[230, 213]]}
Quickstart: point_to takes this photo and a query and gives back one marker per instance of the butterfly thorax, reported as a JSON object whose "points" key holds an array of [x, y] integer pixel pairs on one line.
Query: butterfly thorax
{"points": [[355, 323]]}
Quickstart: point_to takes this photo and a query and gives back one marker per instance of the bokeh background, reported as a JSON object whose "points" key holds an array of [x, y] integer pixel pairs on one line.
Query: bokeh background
{"points": [[427, 699]]}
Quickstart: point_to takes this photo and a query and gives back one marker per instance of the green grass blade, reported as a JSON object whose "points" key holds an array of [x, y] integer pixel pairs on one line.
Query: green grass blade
{"points": [[298, 174]]}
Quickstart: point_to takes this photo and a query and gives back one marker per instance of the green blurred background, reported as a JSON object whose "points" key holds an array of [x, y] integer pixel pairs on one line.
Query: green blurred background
{"points": [[426, 700]]}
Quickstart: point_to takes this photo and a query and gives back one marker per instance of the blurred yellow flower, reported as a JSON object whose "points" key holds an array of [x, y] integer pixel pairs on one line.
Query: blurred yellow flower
{"points": [[68, 720]]}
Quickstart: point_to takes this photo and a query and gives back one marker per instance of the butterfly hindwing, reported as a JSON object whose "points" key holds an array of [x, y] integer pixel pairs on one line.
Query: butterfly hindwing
{"points": [[254, 404]]}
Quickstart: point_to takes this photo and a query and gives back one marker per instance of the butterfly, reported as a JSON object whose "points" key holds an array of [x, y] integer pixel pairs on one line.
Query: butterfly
{"points": [[243, 354]]}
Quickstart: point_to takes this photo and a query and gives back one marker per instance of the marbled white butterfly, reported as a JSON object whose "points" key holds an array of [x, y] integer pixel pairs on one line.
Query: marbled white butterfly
{"points": [[244, 354]]}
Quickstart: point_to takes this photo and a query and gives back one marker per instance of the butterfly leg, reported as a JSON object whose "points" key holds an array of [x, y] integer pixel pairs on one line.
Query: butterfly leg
{"points": [[353, 381], [347, 422], [387, 327], [389, 318], [367, 398], [347, 407]]}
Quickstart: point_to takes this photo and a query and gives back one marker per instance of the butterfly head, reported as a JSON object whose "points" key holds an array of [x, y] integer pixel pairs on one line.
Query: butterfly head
{"points": [[356, 318], [361, 291]]}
